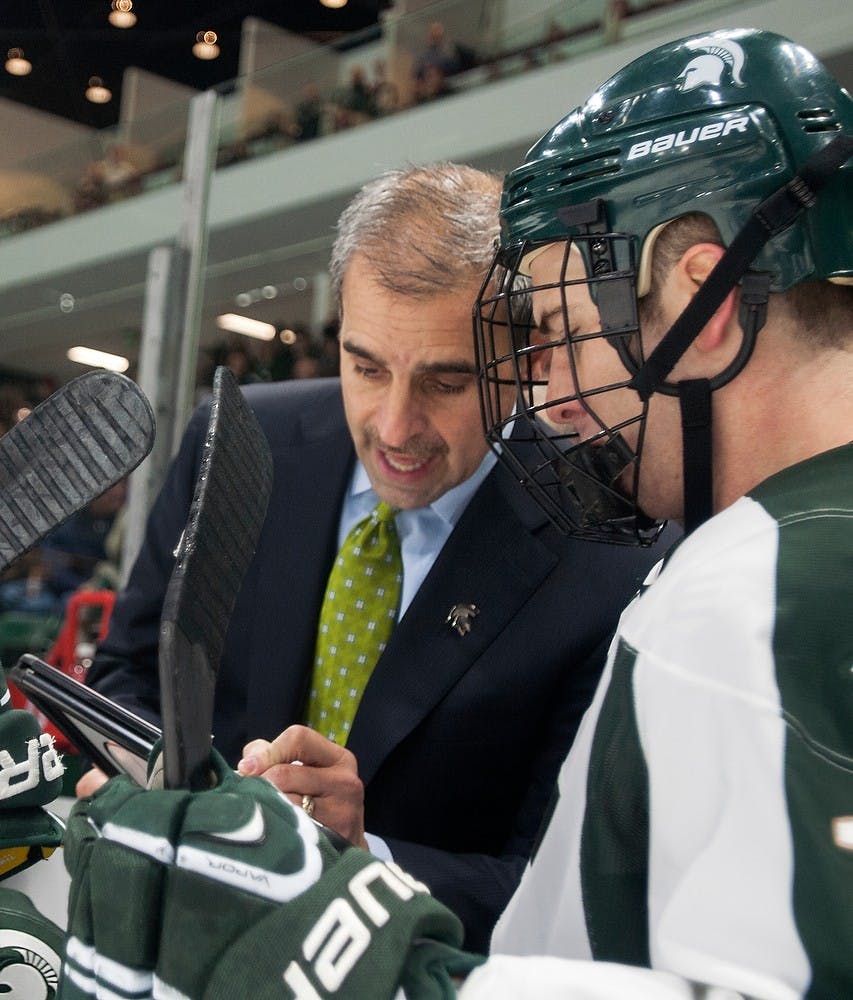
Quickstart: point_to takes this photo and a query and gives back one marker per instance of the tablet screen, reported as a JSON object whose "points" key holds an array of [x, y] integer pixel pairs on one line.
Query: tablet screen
{"points": [[114, 738]]}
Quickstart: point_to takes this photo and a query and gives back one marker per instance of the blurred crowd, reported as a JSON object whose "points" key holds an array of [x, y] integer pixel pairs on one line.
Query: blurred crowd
{"points": [[85, 551], [294, 353], [438, 67]]}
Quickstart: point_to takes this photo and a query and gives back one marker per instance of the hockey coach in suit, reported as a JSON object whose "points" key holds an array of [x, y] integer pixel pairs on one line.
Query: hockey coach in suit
{"points": [[457, 736]]}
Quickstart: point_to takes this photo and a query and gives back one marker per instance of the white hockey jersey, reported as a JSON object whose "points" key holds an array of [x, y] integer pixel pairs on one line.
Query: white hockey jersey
{"points": [[704, 821]]}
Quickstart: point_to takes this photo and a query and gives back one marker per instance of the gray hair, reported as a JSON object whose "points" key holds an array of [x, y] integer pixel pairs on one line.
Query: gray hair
{"points": [[423, 230]]}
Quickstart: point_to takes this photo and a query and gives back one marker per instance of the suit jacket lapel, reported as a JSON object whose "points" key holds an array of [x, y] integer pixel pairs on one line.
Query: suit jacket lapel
{"points": [[491, 560], [294, 555]]}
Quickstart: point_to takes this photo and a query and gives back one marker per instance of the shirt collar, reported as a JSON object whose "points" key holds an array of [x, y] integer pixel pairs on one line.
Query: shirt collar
{"points": [[449, 506]]}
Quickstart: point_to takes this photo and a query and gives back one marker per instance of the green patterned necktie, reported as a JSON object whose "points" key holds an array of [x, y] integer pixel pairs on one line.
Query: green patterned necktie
{"points": [[356, 620]]}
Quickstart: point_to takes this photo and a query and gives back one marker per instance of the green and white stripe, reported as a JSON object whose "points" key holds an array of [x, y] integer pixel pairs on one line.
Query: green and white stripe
{"points": [[697, 826]]}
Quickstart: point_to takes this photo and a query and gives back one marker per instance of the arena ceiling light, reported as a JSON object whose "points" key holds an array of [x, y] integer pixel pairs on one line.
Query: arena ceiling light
{"points": [[121, 15], [97, 359], [249, 327], [17, 63], [97, 93], [205, 46]]}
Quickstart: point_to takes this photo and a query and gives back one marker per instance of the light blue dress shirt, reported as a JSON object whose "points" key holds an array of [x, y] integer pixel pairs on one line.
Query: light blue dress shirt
{"points": [[422, 534]]}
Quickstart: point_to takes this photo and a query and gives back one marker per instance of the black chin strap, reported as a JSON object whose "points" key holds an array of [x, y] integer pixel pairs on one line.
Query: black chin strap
{"points": [[695, 399]]}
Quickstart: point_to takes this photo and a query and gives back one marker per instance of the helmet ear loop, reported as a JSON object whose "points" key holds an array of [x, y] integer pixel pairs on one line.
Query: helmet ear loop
{"points": [[695, 399], [752, 315], [620, 344]]}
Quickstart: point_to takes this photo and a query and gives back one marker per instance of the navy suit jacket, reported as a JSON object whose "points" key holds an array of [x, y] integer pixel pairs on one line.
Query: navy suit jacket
{"points": [[458, 737]]}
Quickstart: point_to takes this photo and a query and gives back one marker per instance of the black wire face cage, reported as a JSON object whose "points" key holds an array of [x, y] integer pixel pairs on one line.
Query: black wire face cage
{"points": [[587, 487]]}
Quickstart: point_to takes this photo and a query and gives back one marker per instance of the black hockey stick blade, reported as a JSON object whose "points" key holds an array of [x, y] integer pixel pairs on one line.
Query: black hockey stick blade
{"points": [[227, 512], [73, 447]]}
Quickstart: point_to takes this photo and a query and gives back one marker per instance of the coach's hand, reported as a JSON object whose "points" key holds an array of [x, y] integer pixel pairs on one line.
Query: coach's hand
{"points": [[300, 762], [90, 782]]}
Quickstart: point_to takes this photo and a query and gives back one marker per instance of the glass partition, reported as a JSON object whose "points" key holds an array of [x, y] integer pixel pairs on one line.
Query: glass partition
{"points": [[439, 49]]}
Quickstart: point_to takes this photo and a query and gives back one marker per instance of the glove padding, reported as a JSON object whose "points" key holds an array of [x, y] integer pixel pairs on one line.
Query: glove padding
{"points": [[233, 892], [30, 777]]}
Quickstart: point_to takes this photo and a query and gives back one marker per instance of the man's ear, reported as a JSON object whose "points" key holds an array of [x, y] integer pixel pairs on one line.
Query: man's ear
{"points": [[692, 272]]}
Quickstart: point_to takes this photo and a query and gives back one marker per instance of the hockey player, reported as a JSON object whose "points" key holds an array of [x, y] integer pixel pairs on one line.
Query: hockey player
{"points": [[686, 240]]}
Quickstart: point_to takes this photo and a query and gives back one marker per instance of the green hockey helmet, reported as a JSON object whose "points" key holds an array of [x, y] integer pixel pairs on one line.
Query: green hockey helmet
{"points": [[744, 127], [712, 123]]}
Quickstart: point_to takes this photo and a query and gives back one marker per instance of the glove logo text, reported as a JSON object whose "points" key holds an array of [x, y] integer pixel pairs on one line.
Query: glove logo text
{"points": [[342, 934]]}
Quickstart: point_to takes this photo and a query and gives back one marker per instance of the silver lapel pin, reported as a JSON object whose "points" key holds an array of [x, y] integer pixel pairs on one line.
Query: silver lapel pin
{"points": [[460, 617]]}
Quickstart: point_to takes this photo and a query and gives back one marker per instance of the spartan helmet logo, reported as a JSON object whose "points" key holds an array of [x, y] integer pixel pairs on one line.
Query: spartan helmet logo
{"points": [[707, 69]]}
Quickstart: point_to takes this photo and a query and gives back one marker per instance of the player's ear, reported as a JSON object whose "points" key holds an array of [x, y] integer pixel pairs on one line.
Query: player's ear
{"points": [[691, 273]]}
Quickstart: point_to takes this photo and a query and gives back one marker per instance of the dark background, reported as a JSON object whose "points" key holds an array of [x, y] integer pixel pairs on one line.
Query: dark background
{"points": [[69, 41]]}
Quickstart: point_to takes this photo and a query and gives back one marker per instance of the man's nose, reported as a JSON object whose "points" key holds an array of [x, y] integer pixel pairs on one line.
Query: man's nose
{"points": [[400, 416], [561, 392]]}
